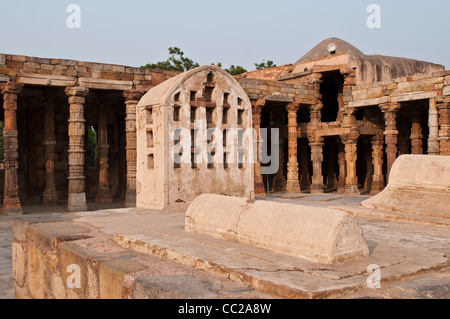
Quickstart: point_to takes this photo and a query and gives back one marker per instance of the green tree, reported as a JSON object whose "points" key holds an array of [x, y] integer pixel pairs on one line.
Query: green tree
{"points": [[92, 147], [236, 70], [176, 62], [264, 65]]}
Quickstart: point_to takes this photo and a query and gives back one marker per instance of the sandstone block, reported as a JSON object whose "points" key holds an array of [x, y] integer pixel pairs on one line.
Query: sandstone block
{"points": [[414, 182], [14, 64], [71, 254], [111, 275], [118, 68], [318, 234], [2, 59], [175, 287], [57, 287], [36, 283], [18, 261]]}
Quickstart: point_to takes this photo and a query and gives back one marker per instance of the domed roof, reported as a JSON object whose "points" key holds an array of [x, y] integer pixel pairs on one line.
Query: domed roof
{"points": [[370, 68], [321, 51]]}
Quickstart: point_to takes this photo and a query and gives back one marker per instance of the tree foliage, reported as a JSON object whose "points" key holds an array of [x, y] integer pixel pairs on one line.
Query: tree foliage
{"points": [[176, 62], [92, 147], [233, 70], [264, 64]]}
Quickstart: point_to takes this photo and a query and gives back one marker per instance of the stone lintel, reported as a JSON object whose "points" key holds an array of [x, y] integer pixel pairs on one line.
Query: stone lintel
{"points": [[279, 98], [420, 95], [106, 84], [46, 80]]}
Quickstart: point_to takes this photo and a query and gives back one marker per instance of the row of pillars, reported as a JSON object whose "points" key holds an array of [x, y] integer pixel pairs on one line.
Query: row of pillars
{"points": [[438, 144], [76, 151]]}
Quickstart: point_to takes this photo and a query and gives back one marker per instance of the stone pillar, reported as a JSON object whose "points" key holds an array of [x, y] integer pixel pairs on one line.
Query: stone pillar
{"points": [[390, 134], [293, 184], [304, 164], [50, 196], [316, 144], [131, 100], [77, 195], [416, 134], [444, 121], [351, 181], [342, 169], [11, 201], [433, 124], [103, 195], [377, 159]]}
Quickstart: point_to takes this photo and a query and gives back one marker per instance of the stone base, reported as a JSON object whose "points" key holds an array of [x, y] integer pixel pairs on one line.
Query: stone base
{"points": [[50, 198], [317, 189], [130, 199], [76, 202], [12, 211], [293, 187], [351, 190]]}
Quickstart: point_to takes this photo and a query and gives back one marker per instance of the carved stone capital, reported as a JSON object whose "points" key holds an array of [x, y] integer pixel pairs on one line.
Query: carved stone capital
{"points": [[12, 88], [133, 95], [76, 91], [390, 107]]}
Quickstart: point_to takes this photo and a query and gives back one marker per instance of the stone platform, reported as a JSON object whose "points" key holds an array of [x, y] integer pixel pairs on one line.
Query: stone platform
{"points": [[136, 253]]}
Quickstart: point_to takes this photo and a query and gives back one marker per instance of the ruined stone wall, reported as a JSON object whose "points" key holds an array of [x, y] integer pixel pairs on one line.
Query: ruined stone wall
{"points": [[268, 73], [182, 111], [12, 66], [414, 87]]}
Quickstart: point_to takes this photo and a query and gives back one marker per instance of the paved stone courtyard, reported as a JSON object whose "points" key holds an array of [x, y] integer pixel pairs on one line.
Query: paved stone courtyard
{"points": [[415, 235]]}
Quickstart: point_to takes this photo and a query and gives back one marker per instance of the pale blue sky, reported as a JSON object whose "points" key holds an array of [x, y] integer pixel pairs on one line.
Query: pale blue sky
{"points": [[239, 32]]}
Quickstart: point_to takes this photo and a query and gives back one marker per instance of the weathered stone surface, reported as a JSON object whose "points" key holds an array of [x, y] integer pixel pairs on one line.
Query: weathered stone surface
{"points": [[19, 265], [35, 277], [322, 235], [199, 95], [175, 287], [111, 274], [415, 182]]}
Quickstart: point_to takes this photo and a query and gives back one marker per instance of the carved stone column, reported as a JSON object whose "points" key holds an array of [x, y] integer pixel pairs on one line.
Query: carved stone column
{"points": [[11, 201], [391, 133], [77, 195], [444, 121], [293, 184], [377, 159], [416, 134], [433, 124], [351, 182], [50, 196], [342, 169], [103, 195], [131, 100], [316, 144]]}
